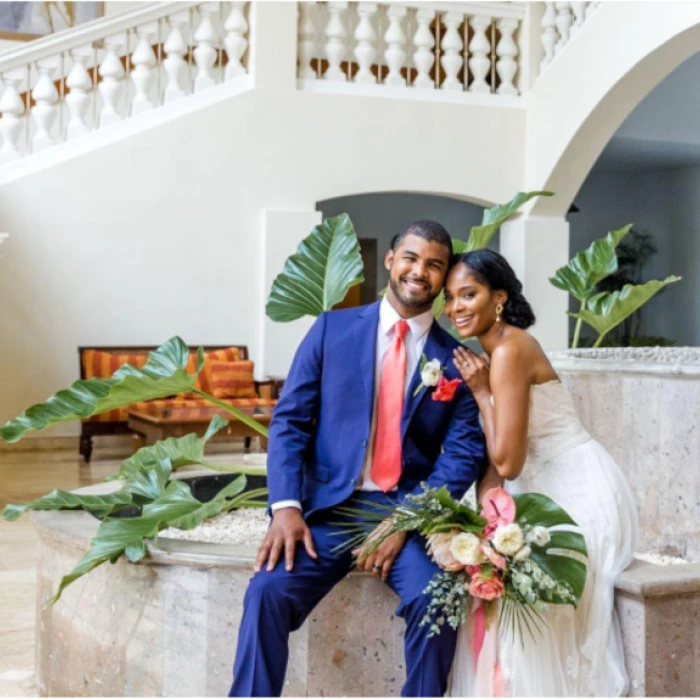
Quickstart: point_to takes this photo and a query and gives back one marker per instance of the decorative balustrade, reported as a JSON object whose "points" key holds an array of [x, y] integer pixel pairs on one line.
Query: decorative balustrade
{"points": [[84, 79], [560, 22], [457, 47]]}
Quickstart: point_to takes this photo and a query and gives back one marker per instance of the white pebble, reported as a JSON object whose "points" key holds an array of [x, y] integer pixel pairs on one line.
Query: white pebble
{"points": [[246, 527], [660, 559]]}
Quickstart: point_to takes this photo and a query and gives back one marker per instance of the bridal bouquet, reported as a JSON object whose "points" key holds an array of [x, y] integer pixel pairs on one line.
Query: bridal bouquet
{"points": [[518, 550]]}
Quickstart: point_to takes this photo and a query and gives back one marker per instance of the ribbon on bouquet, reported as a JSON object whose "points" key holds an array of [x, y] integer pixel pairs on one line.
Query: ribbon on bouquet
{"points": [[492, 674]]}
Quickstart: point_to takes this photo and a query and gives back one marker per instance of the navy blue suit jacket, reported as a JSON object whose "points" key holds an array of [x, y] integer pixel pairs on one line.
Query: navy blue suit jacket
{"points": [[321, 425]]}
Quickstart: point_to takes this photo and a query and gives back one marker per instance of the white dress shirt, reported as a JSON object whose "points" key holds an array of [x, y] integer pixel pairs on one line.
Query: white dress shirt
{"points": [[418, 328]]}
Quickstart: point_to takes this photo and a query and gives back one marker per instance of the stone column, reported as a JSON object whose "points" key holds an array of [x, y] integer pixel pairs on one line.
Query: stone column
{"points": [[659, 611], [282, 231], [536, 247]]}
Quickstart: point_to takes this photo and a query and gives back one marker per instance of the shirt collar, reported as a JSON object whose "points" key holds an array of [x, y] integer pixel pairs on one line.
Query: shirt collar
{"points": [[418, 325]]}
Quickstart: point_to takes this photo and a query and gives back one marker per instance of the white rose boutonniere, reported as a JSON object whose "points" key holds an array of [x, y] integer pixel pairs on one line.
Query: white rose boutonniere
{"points": [[430, 373]]}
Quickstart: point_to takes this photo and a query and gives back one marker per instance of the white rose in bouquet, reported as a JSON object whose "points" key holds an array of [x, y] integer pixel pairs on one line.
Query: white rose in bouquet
{"points": [[466, 549], [539, 535], [508, 539]]}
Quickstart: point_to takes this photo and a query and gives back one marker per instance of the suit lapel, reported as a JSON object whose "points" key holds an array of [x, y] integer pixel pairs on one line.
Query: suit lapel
{"points": [[434, 348], [366, 326]]}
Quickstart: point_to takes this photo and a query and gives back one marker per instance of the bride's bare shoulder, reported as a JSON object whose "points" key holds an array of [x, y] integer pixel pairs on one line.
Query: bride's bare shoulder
{"points": [[518, 350]]}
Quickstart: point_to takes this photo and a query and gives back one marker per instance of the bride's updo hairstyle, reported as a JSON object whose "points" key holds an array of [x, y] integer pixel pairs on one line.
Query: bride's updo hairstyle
{"points": [[494, 271]]}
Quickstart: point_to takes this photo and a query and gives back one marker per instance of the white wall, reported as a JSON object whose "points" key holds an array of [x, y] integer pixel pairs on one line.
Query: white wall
{"points": [[161, 233]]}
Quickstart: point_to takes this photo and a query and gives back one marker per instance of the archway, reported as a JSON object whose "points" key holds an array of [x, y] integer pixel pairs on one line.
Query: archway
{"points": [[583, 98]]}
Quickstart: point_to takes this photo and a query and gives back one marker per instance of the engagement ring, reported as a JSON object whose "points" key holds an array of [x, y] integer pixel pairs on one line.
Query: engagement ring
{"points": [[377, 567]]}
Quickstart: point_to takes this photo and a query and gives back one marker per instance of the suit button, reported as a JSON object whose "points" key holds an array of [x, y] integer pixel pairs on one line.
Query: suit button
{"points": [[364, 443]]}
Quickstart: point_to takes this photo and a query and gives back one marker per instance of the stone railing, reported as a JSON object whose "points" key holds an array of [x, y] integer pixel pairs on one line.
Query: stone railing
{"points": [[560, 22], [469, 48], [86, 78]]}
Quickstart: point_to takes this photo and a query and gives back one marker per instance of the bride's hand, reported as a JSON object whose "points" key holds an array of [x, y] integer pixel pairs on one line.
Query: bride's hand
{"points": [[474, 371]]}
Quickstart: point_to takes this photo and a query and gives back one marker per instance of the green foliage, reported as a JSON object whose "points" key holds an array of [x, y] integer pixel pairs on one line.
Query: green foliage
{"points": [[318, 276], [606, 310]]}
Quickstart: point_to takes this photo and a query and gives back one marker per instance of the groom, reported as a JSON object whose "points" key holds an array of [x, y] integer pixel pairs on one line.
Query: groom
{"points": [[352, 421]]}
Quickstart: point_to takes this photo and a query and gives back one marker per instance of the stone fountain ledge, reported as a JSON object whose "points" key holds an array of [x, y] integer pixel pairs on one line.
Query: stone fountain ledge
{"points": [[168, 625], [653, 360]]}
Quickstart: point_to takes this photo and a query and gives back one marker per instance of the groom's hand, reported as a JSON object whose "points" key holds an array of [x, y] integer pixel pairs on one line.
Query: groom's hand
{"points": [[288, 527], [382, 559]]}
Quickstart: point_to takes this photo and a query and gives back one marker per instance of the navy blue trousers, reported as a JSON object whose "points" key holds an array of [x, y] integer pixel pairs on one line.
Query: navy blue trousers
{"points": [[277, 602]]}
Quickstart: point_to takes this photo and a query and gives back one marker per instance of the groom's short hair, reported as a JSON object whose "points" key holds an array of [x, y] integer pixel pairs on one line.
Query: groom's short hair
{"points": [[428, 230]]}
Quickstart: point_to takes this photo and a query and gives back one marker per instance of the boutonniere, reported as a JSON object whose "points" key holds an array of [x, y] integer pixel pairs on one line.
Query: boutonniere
{"points": [[431, 374]]}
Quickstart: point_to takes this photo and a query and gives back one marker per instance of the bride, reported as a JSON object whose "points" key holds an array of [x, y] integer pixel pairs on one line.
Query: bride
{"points": [[536, 443]]}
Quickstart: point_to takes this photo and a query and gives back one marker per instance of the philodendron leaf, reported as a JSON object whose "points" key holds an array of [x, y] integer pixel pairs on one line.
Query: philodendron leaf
{"points": [[174, 507], [163, 375], [98, 505], [182, 452], [586, 269], [538, 509], [317, 277], [607, 310], [480, 236]]}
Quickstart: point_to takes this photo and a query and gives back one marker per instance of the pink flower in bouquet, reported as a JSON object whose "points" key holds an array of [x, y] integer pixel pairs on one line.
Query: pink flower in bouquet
{"points": [[487, 587], [498, 509], [494, 557], [440, 545]]}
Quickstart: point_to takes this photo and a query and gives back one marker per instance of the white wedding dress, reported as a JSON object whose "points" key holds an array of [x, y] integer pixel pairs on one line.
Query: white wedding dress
{"points": [[580, 651]]}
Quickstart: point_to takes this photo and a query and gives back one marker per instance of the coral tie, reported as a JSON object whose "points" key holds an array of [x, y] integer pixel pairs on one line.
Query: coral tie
{"points": [[386, 455]]}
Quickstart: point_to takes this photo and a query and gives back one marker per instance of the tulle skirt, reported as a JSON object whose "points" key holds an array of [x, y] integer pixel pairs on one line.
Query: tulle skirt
{"points": [[579, 652]]}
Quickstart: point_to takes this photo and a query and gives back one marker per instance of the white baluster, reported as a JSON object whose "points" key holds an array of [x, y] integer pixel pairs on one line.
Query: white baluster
{"points": [[564, 20], [579, 11], [395, 38], [307, 39], [335, 44], [174, 64], [549, 34], [12, 109], [79, 83], [111, 71], [205, 54], [479, 47], [424, 41], [507, 50], [45, 96], [143, 73], [452, 45], [366, 38], [236, 28]]}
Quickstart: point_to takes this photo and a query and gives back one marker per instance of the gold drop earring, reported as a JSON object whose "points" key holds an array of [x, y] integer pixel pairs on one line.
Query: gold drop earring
{"points": [[499, 311]]}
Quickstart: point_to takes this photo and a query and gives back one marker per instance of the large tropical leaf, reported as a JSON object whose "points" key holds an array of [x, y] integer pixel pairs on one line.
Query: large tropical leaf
{"points": [[182, 452], [98, 505], [480, 236], [174, 507], [586, 269], [607, 310], [163, 375], [317, 277], [537, 509]]}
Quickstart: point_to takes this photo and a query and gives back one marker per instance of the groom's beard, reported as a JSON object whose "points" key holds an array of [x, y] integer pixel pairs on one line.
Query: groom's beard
{"points": [[412, 299]]}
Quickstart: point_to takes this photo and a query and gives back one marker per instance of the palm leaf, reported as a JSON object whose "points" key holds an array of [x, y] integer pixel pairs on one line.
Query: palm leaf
{"points": [[174, 507], [163, 375], [182, 452], [317, 277], [609, 309], [99, 506], [586, 269], [480, 236]]}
